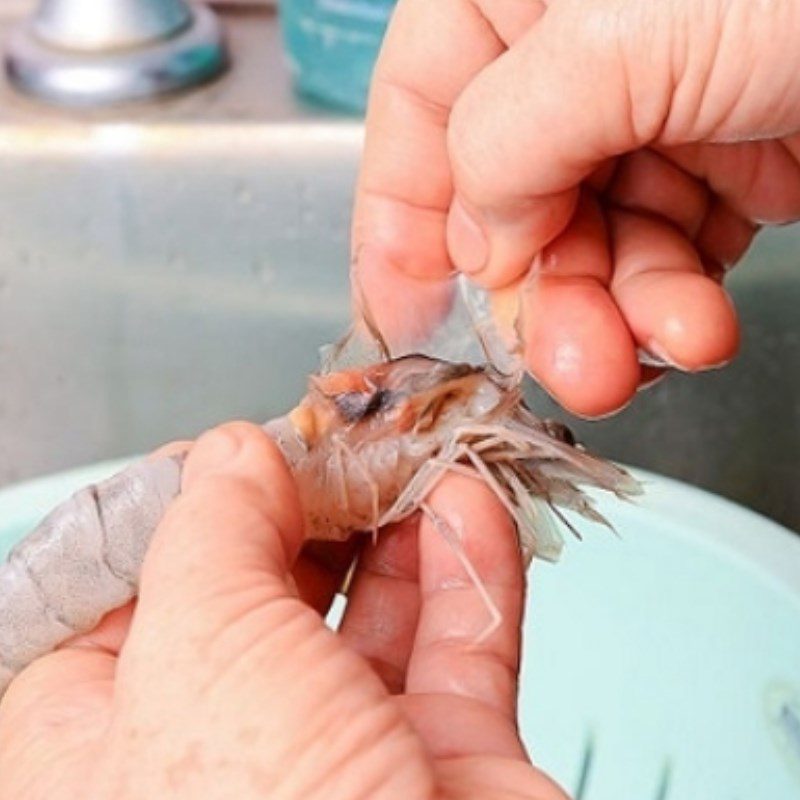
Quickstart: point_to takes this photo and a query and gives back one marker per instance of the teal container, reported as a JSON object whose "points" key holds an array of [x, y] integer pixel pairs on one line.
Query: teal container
{"points": [[332, 46], [659, 664]]}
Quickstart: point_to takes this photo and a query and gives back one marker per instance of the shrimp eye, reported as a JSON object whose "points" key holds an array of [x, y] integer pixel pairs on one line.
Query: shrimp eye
{"points": [[559, 431], [356, 406]]}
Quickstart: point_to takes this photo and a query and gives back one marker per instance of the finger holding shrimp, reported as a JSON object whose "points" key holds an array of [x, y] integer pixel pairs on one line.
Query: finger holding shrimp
{"points": [[461, 656], [180, 559], [229, 683], [487, 121], [416, 615], [226, 540], [420, 618], [215, 645], [318, 570], [316, 576]]}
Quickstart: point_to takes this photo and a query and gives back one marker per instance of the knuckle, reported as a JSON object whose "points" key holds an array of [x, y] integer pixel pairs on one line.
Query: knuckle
{"points": [[232, 439], [630, 47]]}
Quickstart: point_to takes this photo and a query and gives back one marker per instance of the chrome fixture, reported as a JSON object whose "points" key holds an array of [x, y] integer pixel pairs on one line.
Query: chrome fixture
{"points": [[97, 52]]}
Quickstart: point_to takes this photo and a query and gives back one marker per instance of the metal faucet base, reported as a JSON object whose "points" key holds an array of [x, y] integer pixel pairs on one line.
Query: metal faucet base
{"points": [[194, 54]]}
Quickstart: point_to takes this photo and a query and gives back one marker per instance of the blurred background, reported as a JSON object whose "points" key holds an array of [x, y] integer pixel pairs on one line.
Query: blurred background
{"points": [[171, 259]]}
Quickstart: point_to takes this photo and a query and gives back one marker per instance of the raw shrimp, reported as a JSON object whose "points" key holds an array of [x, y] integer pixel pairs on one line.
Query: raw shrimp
{"points": [[365, 447]]}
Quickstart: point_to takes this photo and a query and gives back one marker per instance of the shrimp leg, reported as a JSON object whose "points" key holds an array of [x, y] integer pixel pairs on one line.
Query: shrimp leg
{"points": [[82, 561], [452, 538]]}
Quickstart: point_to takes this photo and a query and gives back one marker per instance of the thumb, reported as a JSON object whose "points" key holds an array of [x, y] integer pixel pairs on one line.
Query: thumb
{"points": [[238, 510], [222, 553], [226, 544], [535, 123]]}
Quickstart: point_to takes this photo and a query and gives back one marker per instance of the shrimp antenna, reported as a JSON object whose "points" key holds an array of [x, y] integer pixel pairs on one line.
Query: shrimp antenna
{"points": [[334, 356], [480, 333], [367, 317]]}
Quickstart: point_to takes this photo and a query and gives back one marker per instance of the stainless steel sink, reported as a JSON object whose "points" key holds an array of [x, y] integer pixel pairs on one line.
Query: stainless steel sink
{"points": [[169, 265]]}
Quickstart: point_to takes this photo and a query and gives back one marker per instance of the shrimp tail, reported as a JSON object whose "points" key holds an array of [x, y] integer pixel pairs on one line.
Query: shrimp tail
{"points": [[82, 561]]}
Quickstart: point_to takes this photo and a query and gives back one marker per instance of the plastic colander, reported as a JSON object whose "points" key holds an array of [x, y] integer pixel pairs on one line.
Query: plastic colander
{"points": [[660, 664]]}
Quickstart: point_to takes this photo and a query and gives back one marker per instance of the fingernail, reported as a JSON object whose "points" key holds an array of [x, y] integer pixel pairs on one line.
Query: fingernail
{"points": [[466, 239], [661, 358], [661, 355]]}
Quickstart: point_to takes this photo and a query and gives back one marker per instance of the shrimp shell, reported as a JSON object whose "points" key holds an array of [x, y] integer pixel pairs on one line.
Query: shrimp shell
{"points": [[365, 447]]}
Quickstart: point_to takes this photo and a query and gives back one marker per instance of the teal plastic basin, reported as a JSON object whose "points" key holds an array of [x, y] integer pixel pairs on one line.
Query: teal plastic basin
{"points": [[660, 664]]}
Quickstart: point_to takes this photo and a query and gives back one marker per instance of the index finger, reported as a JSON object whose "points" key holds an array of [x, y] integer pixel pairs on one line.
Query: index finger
{"points": [[431, 52], [453, 655]]}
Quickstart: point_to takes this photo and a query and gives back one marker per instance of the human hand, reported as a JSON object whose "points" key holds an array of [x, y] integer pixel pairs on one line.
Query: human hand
{"points": [[225, 683], [600, 162]]}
